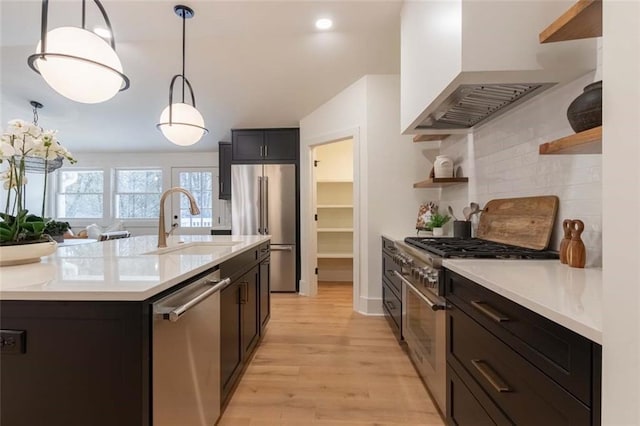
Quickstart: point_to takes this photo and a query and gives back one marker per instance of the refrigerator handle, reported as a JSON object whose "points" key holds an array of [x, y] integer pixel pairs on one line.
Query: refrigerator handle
{"points": [[266, 205], [260, 202]]}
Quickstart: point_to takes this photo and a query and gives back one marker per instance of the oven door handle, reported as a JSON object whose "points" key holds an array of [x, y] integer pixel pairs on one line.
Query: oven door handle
{"points": [[433, 305]]}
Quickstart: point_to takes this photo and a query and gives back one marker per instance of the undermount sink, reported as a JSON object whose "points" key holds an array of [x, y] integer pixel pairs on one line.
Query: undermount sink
{"points": [[197, 248]]}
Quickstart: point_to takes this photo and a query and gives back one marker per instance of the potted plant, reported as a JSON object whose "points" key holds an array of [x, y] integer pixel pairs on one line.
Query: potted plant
{"points": [[22, 237], [436, 222], [56, 229]]}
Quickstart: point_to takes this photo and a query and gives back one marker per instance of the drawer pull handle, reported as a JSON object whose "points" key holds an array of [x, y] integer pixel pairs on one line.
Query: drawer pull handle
{"points": [[490, 375], [489, 311]]}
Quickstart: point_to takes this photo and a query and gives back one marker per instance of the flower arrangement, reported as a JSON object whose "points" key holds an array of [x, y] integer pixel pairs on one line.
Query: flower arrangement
{"points": [[20, 141]]}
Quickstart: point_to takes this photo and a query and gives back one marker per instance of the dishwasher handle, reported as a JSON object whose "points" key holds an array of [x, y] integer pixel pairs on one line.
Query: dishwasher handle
{"points": [[174, 314]]}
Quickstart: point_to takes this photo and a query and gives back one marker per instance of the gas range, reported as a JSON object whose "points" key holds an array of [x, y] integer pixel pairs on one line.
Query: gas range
{"points": [[421, 258], [477, 248]]}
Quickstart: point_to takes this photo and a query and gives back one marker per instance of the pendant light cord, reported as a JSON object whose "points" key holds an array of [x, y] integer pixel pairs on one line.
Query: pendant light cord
{"points": [[35, 116], [184, 26], [84, 14]]}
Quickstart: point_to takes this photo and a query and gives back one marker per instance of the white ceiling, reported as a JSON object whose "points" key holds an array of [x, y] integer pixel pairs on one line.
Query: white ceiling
{"points": [[251, 64]]}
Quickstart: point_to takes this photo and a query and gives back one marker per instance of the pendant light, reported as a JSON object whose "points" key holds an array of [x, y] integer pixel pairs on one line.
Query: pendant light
{"points": [[180, 122], [76, 62]]}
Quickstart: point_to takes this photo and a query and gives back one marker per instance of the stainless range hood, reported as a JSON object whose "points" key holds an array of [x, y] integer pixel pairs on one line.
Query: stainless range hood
{"points": [[466, 62], [471, 104]]}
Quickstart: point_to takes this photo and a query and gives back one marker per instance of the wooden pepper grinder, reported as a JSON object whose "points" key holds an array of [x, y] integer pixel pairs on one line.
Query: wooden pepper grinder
{"points": [[576, 253], [564, 244]]}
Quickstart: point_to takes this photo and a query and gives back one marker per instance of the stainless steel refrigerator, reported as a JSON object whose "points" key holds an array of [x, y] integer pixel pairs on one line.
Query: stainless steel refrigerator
{"points": [[263, 201]]}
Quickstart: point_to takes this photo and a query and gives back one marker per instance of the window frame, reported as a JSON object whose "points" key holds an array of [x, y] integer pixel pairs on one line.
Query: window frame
{"points": [[105, 190], [218, 214], [114, 193]]}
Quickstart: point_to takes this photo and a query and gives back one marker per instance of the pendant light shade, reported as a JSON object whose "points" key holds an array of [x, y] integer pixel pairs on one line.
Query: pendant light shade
{"points": [[186, 127], [77, 63], [80, 81], [180, 122]]}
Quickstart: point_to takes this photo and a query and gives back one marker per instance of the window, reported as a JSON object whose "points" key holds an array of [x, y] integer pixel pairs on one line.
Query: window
{"points": [[80, 194], [137, 193], [203, 184]]}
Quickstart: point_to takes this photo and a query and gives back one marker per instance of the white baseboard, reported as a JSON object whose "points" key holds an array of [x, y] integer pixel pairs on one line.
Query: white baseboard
{"points": [[370, 306]]}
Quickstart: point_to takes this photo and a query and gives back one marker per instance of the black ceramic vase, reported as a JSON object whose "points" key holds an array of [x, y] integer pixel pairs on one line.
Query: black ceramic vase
{"points": [[585, 112]]}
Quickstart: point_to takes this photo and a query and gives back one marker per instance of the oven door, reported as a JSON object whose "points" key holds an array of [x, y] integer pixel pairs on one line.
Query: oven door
{"points": [[424, 330]]}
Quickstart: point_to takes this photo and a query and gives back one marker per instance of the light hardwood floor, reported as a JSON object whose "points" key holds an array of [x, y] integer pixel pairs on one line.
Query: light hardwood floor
{"points": [[322, 364]]}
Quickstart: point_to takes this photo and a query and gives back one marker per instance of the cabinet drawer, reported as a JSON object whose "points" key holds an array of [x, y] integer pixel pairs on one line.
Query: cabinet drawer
{"points": [[238, 265], [525, 394], [470, 407], [264, 250], [388, 246], [563, 355], [392, 306]]}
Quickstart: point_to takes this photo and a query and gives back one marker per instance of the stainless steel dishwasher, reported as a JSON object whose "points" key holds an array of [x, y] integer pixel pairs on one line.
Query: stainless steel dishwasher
{"points": [[186, 354]]}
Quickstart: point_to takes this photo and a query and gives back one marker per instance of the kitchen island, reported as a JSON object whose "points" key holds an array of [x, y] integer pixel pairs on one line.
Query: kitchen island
{"points": [[77, 327]]}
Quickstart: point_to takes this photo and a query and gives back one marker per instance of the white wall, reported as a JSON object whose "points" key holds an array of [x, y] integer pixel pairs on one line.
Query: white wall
{"points": [[502, 161], [164, 161], [621, 242], [386, 166], [343, 116]]}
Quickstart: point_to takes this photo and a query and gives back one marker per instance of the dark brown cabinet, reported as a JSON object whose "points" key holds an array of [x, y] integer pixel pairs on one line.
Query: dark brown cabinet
{"points": [[265, 145], [265, 294], [250, 315], [391, 289], [241, 313], [224, 170], [84, 363], [514, 365], [240, 329], [230, 338]]}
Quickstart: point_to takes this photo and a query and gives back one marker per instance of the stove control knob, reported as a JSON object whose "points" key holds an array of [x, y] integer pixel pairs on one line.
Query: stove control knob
{"points": [[415, 272]]}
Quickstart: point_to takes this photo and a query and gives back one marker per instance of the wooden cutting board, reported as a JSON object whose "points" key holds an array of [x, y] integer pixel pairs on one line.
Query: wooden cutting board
{"points": [[524, 222]]}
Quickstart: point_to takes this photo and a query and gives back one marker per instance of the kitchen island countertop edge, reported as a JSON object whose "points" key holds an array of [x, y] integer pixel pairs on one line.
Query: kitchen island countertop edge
{"points": [[126, 269]]}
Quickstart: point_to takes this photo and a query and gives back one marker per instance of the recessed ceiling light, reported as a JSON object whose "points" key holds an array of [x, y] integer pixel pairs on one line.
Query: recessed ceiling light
{"points": [[102, 32], [324, 24]]}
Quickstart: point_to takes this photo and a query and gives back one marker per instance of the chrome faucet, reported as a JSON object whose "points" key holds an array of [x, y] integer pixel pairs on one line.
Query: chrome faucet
{"points": [[193, 209]]}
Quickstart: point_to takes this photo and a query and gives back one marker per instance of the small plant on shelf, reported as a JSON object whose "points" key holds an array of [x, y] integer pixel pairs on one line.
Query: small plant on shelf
{"points": [[438, 220]]}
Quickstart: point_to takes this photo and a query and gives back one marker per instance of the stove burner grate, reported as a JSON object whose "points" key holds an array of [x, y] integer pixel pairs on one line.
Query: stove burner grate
{"points": [[477, 248]]}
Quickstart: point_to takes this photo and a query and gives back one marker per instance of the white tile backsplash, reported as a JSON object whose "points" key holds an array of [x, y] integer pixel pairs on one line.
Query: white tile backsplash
{"points": [[502, 161]]}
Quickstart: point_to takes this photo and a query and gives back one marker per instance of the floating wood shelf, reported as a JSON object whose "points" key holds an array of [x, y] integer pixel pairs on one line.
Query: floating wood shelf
{"points": [[587, 142], [582, 20], [333, 181], [440, 182], [335, 206], [428, 138]]}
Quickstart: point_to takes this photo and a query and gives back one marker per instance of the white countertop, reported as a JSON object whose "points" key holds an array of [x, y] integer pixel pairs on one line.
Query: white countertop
{"points": [[119, 269], [571, 297]]}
